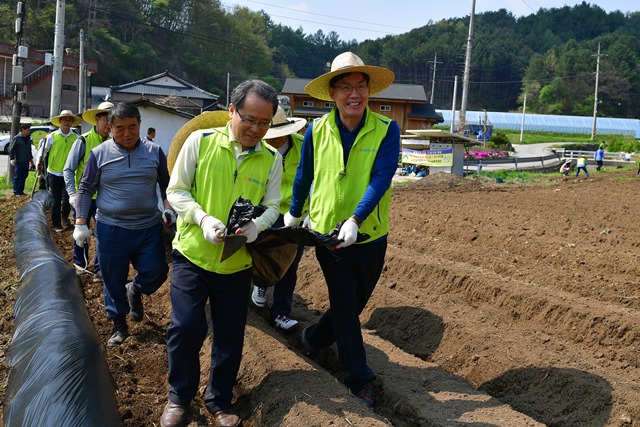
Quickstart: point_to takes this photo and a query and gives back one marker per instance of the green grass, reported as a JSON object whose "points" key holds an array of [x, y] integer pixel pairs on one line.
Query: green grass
{"points": [[4, 185]]}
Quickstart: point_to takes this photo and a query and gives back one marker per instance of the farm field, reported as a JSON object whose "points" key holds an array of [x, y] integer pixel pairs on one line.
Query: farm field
{"points": [[500, 305]]}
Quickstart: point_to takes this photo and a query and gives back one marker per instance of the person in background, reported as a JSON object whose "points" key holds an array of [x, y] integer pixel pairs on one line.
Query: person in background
{"points": [[125, 172], [20, 155], [598, 156], [151, 133], [350, 155], [566, 167], [582, 165], [214, 168], [73, 169], [57, 146], [283, 136]]}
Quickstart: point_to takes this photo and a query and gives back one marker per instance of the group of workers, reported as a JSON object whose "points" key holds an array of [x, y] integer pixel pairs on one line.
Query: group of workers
{"points": [[338, 173]]}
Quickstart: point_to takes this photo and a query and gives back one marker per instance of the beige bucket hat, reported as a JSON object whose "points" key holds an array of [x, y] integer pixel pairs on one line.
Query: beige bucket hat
{"points": [[206, 120], [348, 62], [89, 116], [55, 120], [281, 125]]}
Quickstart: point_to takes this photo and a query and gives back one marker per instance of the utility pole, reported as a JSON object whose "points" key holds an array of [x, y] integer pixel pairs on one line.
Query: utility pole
{"points": [[467, 66], [16, 79], [82, 85], [433, 80], [595, 98], [453, 104], [58, 58], [524, 109]]}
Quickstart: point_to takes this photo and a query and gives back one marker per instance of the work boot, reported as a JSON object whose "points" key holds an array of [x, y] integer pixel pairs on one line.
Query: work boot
{"points": [[366, 394], [174, 415], [134, 296], [120, 331], [226, 418]]}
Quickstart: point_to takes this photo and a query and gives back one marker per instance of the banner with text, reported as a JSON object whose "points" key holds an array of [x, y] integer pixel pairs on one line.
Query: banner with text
{"points": [[434, 158]]}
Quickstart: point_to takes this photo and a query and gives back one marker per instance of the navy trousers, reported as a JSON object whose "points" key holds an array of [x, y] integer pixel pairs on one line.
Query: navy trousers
{"points": [[117, 247], [20, 174], [191, 288], [351, 274]]}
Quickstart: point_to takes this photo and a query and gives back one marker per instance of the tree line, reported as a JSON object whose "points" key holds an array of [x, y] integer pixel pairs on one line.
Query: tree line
{"points": [[549, 56]]}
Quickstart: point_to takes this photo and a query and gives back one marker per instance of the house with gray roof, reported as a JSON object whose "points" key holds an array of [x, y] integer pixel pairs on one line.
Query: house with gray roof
{"points": [[405, 103], [168, 90]]}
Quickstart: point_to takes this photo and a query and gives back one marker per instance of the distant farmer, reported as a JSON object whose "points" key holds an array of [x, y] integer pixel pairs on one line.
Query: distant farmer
{"points": [[566, 167], [582, 165], [599, 156]]}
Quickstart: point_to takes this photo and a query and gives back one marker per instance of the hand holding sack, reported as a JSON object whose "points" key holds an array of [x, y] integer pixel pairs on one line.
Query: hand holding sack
{"points": [[348, 233], [290, 220], [250, 230]]}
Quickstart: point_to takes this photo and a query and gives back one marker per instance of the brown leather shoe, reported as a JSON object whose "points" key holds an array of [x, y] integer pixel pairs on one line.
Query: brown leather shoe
{"points": [[174, 415], [226, 418]]}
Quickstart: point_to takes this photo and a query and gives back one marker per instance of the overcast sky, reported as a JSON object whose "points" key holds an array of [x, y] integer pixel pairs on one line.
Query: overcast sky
{"points": [[373, 19]]}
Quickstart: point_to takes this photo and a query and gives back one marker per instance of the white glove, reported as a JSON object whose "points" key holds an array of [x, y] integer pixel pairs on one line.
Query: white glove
{"points": [[348, 233], [81, 234], [250, 230], [72, 200], [13, 162], [213, 229], [169, 217], [290, 220], [307, 222]]}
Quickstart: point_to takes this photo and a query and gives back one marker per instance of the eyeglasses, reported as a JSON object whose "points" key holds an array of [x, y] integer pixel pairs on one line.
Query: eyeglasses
{"points": [[248, 122], [347, 89]]}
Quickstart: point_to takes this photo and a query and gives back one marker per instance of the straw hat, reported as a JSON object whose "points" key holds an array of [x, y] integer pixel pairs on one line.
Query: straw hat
{"points": [[348, 62], [66, 113], [206, 120], [281, 125], [89, 116]]}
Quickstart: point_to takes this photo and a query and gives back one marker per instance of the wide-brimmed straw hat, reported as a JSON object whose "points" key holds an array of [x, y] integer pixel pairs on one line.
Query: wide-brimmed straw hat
{"points": [[281, 125], [66, 113], [89, 116], [348, 62], [206, 120]]}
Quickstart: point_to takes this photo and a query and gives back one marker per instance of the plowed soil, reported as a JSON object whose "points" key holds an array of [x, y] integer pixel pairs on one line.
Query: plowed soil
{"points": [[500, 304]]}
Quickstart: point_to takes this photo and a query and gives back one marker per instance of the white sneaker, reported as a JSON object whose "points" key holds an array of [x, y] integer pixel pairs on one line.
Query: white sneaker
{"points": [[259, 296], [284, 322]]}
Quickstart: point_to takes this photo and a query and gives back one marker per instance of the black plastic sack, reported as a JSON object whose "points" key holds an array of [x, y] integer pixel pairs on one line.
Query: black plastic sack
{"points": [[271, 258], [59, 376]]}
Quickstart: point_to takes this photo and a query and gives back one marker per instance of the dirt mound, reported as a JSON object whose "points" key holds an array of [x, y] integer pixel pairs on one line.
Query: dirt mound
{"points": [[528, 295]]}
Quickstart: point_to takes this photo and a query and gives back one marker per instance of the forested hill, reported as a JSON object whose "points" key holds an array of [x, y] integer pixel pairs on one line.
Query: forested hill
{"points": [[549, 55]]}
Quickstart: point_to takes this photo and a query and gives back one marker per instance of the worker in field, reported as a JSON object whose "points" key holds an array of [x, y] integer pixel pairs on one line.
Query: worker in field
{"points": [[582, 165]]}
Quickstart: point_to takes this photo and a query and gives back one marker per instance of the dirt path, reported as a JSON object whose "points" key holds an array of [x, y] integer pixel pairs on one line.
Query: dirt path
{"points": [[494, 298]]}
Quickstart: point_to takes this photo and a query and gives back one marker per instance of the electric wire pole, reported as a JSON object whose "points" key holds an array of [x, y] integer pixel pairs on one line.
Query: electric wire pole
{"points": [[595, 98], [433, 80], [58, 58], [462, 120], [16, 79]]}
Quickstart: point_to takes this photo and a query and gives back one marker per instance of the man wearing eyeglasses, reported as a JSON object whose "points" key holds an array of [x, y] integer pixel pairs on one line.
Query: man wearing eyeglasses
{"points": [[350, 155], [214, 168]]}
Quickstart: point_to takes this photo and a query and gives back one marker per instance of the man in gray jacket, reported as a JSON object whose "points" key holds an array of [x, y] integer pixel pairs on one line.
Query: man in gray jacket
{"points": [[125, 171]]}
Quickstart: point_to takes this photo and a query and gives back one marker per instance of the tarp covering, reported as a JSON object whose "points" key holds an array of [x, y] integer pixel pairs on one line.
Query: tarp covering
{"points": [[59, 375]]}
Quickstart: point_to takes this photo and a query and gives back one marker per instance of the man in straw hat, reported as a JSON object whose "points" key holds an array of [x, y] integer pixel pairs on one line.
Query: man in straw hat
{"points": [[125, 171], [283, 136], [214, 168], [99, 118], [350, 155], [57, 146]]}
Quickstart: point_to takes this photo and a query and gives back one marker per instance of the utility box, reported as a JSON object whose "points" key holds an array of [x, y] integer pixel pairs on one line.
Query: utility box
{"points": [[16, 77], [48, 58], [23, 52]]}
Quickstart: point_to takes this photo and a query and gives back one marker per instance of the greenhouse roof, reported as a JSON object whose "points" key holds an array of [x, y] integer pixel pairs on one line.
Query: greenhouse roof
{"points": [[549, 123]]}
